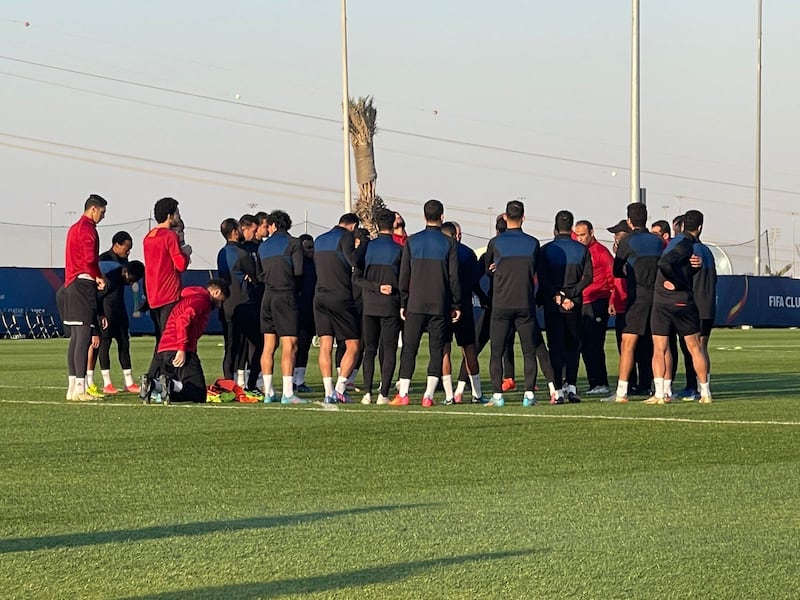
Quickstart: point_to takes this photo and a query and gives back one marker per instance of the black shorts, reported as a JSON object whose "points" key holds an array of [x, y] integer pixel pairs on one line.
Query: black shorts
{"points": [[637, 318], [337, 317], [80, 303], [706, 325], [279, 314], [463, 329], [667, 318]]}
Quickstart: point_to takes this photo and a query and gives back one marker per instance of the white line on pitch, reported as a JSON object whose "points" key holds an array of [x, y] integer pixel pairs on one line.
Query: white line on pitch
{"points": [[488, 412]]}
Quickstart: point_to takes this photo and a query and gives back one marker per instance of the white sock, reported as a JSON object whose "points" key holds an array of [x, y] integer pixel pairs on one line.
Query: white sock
{"points": [[80, 386], [106, 373], [70, 386], [157, 385], [89, 378], [288, 388], [447, 384], [571, 389], [460, 386], [659, 383], [299, 375], [551, 387], [430, 388], [240, 377], [529, 395], [126, 373], [622, 388], [705, 389], [268, 391], [402, 386], [497, 396], [177, 386], [353, 376], [475, 383], [327, 383], [667, 387], [341, 384]]}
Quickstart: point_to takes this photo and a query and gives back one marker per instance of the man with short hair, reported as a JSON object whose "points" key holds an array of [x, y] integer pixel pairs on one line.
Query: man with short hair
{"points": [[512, 261], [463, 330], [636, 260], [335, 313], [239, 312], [82, 280], [165, 258], [381, 324], [119, 272], [176, 373], [594, 311], [643, 361], [430, 296], [565, 271], [282, 267], [674, 308], [661, 229]]}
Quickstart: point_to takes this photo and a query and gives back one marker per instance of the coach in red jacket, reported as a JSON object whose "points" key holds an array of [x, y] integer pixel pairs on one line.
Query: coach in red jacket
{"points": [[176, 372], [594, 321]]}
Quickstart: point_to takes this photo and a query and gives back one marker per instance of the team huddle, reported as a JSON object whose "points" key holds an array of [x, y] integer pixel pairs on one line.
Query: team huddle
{"points": [[363, 294]]}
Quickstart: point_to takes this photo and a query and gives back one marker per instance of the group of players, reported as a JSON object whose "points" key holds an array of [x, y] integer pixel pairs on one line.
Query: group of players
{"points": [[362, 293]]}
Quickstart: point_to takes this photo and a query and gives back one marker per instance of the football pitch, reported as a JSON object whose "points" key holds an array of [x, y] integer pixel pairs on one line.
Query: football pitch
{"points": [[116, 499]]}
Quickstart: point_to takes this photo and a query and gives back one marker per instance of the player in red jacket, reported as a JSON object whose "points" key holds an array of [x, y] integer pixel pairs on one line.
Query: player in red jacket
{"points": [[176, 372], [82, 279], [165, 258]]}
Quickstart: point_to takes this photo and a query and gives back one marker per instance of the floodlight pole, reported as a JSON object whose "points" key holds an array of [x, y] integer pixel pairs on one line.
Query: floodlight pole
{"points": [[757, 215], [636, 195], [345, 113]]}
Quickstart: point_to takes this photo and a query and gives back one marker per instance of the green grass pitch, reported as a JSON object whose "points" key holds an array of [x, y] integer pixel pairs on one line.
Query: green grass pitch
{"points": [[121, 500]]}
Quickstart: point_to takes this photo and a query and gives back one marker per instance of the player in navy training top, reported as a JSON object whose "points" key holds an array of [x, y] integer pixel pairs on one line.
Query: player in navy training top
{"points": [[636, 260], [381, 324], [564, 270], [469, 276], [335, 312], [675, 309], [511, 259], [430, 296], [281, 258]]}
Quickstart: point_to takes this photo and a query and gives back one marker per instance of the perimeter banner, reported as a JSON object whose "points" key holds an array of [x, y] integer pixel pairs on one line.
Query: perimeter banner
{"points": [[741, 299]]}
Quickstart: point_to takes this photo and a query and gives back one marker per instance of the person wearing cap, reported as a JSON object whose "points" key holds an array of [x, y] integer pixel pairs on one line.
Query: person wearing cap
{"points": [[636, 260], [594, 312]]}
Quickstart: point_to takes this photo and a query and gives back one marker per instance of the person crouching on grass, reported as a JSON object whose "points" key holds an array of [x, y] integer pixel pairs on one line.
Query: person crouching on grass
{"points": [[176, 372]]}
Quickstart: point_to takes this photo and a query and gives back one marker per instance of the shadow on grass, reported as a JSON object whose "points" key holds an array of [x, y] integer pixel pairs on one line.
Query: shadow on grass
{"points": [[334, 581], [92, 538]]}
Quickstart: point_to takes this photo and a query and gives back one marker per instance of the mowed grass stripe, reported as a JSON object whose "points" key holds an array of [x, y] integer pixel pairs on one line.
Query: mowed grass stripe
{"points": [[486, 413]]}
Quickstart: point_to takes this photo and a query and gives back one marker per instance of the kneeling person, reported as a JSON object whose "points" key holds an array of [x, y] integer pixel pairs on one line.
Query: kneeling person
{"points": [[176, 372]]}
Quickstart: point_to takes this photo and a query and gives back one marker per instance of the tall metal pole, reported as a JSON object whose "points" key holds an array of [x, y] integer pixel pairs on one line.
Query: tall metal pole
{"points": [[757, 216], [50, 206], [345, 113], [635, 136]]}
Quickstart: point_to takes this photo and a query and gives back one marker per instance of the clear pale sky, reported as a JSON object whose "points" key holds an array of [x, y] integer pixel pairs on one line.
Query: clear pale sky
{"points": [[513, 82]]}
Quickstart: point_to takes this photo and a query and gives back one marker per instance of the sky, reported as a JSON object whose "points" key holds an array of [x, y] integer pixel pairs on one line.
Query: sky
{"points": [[235, 107]]}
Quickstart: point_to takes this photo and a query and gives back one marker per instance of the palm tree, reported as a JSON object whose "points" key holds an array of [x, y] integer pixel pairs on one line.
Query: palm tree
{"points": [[363, 119]]}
